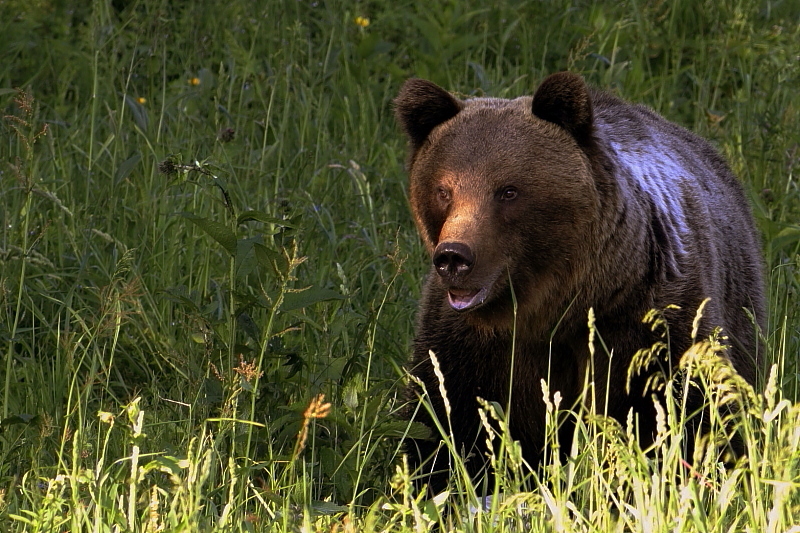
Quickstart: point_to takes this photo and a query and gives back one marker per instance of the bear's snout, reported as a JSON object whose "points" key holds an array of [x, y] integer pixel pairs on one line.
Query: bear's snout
{"points": [[453, 259]]}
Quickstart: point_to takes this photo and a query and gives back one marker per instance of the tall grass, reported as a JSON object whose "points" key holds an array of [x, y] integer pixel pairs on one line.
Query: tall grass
{"points": [[205, 230]]}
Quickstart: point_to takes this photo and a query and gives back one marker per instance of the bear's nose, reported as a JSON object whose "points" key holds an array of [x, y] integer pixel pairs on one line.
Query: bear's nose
{"points": [[453, 258]]}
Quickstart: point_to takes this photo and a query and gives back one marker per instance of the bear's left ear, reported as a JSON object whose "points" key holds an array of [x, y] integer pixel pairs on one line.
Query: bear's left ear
{"points": [[563, 99], [421, 106]]}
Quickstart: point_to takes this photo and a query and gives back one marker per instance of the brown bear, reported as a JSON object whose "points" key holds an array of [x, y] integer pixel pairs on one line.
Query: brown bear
{"points": [[535, 210]]}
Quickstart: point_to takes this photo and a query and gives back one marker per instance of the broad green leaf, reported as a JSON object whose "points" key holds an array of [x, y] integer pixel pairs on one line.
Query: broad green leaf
{"points": [[402, 428], [138, 111], [249, 326], [268, 257], [786, 237], [328, 508], [17, 419], [219, 232], [429, 510], [180, 295], [167, 464], [246, 260], [127, 167], [310, 296]]}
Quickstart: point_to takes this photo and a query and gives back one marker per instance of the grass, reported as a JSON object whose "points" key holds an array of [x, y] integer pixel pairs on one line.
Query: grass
{"points": [[205, 229]]}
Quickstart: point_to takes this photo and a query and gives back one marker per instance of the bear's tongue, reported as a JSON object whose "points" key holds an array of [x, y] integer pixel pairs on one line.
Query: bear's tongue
{"points": [[462, 298]]}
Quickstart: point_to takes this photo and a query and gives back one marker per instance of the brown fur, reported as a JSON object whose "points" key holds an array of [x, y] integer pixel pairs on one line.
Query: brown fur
{"points": [[577, 200]]}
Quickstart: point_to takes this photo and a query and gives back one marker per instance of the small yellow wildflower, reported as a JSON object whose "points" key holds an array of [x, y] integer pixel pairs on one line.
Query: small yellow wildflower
{"points": [[362, 21], [194, 81], [142, 100]]}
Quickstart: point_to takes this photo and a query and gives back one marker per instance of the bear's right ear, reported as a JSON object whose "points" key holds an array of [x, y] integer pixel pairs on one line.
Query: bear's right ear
{"points": [[563, 99], [421, 106]]}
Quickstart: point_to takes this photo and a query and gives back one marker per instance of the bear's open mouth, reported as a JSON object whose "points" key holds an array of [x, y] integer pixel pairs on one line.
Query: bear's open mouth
{"points": [[463, 299]]}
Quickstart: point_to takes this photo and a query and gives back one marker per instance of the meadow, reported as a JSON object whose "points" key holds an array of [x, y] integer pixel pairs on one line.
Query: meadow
{"points": [[209, 273]]}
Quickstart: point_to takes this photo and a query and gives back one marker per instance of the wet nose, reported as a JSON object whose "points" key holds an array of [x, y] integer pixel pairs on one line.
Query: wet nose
{"points": [[453, 259]]}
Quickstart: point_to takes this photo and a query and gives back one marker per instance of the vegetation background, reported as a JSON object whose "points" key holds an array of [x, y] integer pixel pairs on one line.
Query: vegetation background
{"points": [[205, 229]]}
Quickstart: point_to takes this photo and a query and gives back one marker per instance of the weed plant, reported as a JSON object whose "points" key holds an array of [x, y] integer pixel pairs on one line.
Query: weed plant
{"points": [[208, 271]]}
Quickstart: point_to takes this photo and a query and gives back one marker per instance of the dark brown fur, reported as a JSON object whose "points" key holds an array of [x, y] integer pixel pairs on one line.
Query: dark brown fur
{"points": [[578, 200]]}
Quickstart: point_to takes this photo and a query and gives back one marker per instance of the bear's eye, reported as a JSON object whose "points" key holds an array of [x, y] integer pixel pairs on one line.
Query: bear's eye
{"points": [[444, 194], [509, 193]]}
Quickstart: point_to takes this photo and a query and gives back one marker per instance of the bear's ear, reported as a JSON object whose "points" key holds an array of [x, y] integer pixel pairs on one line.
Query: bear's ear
{"points": [[421, 106], [563, 99]]}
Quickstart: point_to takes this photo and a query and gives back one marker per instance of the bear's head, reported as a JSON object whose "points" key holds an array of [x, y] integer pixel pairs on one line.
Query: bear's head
{"points": [[503, 192]]}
